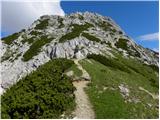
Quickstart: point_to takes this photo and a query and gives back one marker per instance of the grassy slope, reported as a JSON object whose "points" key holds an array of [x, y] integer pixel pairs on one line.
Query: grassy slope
{"points": [[109, 103]]}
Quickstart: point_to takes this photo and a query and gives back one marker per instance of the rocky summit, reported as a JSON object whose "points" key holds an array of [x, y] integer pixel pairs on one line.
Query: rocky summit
{"points": [[72, 36]]}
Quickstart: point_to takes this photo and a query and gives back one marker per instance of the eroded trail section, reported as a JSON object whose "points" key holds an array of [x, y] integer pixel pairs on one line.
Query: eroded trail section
{"points": [[84, 108], [85, 74]]}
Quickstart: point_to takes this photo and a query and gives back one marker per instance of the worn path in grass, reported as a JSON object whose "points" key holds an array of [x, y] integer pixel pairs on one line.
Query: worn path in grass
{"points": [[84, 108]]}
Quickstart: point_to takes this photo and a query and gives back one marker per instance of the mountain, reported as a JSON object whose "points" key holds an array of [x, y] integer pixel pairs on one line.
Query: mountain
{"points": [[78, 36], [72, 36]]}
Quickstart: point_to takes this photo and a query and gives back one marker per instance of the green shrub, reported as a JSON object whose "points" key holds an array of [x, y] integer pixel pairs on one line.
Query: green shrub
{"points": [[9, 39], [77, 29], [35, 33], [91, 37], [135, 53], [45, 93], [60, 20], [7, 55], [109, 44], [18, 55], [109, 62], [80, 17], [29, 40], [122, 43], [42, 25], [120, 32], [154, 82], [35, 48], [154, 67], [105, 26], [113, 30]]}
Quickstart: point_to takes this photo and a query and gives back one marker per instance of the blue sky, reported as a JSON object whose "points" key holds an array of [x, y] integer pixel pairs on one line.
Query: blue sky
{"points": [[135, 18]]}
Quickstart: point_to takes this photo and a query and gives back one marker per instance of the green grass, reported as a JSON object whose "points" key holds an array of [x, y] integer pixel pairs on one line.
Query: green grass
{"points": [[109, 103], [35, 48], [113, 63], [44, 94], [112, 102], [77, 29], [9, 39], [77, 72], [91, 37]]}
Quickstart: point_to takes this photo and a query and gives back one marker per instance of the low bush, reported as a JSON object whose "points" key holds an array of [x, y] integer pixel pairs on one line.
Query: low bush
{"points": [[91, 37], [42, 25], [122, 43], [77, 29], [45, 93], [35, 48], [29, 40], [154, 67], [9, 39], [104, 25], [35, 33], [60, 20]]}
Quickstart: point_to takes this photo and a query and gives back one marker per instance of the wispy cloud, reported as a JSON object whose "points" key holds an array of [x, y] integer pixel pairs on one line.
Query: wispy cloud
{"points": [[19, 14], [149, 37]]}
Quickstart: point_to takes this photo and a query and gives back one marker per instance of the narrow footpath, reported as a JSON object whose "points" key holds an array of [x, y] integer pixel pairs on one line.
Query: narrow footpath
{"points": [[83, 106]]}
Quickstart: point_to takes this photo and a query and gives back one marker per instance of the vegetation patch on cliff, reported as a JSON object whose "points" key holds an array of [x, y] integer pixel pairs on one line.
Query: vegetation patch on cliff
{"points": [[77, 29], [35, 48], [42, 25], [122, 43], [9, 39], [91, 37]]}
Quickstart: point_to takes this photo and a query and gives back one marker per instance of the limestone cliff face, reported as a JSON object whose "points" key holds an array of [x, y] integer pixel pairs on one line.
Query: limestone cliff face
{"points": [[72, 36]]}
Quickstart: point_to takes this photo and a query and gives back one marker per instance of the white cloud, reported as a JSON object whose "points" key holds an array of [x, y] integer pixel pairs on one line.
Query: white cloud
{"points": [[17, 15], [149, 37]]}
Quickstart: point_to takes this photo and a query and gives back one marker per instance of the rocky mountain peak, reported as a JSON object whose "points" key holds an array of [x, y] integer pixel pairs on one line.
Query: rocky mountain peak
{"points": [[72, 36]]}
